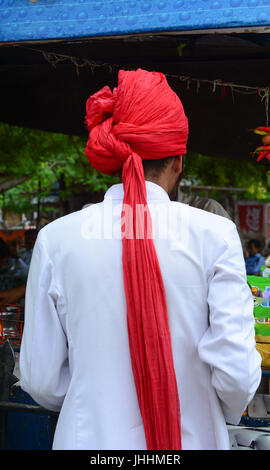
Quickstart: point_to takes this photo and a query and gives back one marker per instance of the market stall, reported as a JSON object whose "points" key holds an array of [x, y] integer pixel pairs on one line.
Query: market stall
{"points": [[215, 55]]}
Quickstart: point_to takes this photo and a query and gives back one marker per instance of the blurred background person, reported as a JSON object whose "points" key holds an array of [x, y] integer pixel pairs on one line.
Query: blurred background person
{"points": [[13, 275], [29, 242], [254, 259]]}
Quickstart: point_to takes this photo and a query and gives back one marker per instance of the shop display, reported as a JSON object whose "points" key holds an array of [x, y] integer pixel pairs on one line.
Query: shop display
{"points": [[260, 288]]}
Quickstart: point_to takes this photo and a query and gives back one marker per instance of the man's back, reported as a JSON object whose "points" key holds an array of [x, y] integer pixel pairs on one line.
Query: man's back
{"points": [[76, 294]]}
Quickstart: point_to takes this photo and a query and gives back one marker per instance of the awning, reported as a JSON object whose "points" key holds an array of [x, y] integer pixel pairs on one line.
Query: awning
{"points": [[63, 51], [28, 20]]}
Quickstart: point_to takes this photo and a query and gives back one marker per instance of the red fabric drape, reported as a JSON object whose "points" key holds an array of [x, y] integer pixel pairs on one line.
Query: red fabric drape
{"points": [[142, 119]]}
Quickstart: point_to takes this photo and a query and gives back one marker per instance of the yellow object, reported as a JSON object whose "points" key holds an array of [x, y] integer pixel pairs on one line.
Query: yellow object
{"points": [[264, 350], [262, 130]]}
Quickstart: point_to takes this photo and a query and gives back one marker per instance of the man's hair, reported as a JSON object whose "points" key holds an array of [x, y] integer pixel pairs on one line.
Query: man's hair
{"points": [[256, 243], [155, 167]]}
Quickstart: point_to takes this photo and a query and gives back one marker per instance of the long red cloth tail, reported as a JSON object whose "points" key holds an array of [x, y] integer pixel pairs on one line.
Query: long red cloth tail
{"points": [[147, 319]]}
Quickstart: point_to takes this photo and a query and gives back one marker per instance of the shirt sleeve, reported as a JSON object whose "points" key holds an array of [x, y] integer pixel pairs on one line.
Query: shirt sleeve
{"points": [[228, 345], [44, 368]]}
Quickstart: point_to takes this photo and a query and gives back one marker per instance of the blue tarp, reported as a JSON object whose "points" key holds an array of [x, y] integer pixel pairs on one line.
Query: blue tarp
{"points": [[24, 20]]}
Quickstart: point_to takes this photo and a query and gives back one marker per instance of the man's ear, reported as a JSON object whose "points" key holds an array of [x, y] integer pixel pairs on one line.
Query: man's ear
{"points": [[178, 164]]}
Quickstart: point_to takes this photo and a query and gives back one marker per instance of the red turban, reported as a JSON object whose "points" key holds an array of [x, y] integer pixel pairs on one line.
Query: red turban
{"points": [[142, 119]]}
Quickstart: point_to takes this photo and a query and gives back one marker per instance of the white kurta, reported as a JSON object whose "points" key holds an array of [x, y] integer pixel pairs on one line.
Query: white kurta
{"points": [[75, 351]]}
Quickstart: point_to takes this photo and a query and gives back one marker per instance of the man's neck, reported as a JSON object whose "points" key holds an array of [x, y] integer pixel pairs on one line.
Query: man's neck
{"points": [[158, 181]]}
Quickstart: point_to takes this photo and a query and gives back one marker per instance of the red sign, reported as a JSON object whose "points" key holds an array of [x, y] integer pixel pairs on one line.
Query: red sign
{"points": [[251, 217], [9, 235]]}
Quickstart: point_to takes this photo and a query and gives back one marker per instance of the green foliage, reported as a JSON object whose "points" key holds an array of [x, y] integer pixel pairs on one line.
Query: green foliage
{"points": [[223, 172], [46, 158]]}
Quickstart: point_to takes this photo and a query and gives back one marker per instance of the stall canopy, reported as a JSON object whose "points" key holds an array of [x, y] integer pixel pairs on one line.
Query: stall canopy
{"points": [[24, 20], [215, 54]]}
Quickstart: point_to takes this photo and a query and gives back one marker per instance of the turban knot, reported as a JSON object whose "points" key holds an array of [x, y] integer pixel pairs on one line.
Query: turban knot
{"points": [[111, 151]]}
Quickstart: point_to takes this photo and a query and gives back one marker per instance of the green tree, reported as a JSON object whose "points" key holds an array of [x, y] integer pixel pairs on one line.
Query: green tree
{"points": [[32, 162], [225, 172]]}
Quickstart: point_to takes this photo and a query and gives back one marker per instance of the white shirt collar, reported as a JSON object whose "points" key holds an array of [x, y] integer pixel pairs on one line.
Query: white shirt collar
{"points": [[154, 191]]}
